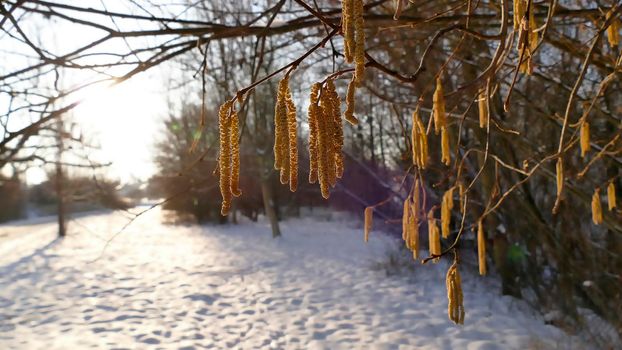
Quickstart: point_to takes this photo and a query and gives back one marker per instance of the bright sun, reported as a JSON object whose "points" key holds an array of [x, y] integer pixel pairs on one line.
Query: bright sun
{"points": [[124, 120]]}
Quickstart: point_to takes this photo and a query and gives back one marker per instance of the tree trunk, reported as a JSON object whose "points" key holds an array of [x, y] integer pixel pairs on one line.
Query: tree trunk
{"points": [[61, 201], [59, 182], [266, 193]]}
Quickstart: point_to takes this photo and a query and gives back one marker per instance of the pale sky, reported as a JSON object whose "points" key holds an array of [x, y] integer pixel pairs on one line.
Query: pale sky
{"points": [[125, 120]]}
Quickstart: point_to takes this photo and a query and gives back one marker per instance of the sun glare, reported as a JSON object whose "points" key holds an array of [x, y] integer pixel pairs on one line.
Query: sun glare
{"points": [[123, 121]]}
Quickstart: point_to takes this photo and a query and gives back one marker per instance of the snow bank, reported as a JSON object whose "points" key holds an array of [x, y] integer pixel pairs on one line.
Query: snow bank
{"points": [[159, 286]]}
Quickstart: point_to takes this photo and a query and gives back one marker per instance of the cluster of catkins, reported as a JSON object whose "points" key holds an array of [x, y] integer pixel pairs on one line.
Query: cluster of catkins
{"points": [[285, 136], [419, 138], [325, 124], [597, 211], [419, 142], [325, 136]]}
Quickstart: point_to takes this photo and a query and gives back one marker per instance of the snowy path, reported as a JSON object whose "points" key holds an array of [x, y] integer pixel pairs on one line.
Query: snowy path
{"points": [[220, 287]]}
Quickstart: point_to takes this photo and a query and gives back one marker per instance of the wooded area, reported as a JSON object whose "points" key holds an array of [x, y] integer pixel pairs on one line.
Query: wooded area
{"points": [[473, 121]]}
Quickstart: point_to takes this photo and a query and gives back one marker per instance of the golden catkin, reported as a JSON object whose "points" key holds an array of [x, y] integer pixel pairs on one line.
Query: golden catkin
{"points": [[331, 167], [481, 248], [285, 138], [327, 175], [413, 233], [613, 31], [462, 195], [597, 212], [455, 307], [434, 239], [314, 112], [528, 40], [369, 213], [224, 156], [445, 150], [349, 112], [419, 141], [585, 138], [447, 205], [281, 142], [416, 204], [330, 104], [611, 196], [414, 220], [559, 176], [533, 34], [359, 49], [324, 150], [235, 154], [438, 107], [405, 218], [347, 22], [337, 126], [519, 12], [353, 26], [482, 104], [292, 126]]}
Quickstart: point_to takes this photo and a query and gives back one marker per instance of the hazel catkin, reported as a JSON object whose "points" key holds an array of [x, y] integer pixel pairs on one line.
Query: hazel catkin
{"points": [[434, 239], [584, 138], [293, 143], [369, 213], [349, 112], [519, 12], [461, 195], [455, 307], [413, 220], [347, 23], [353, 26], [224, 155], [413, 232], [447, 205], [235, 155], [481, 247], [359, 48], [405, 218], [597, 212], [280, 126], [613, 31], [419, 141], [438, 107], [611, 196], [445, 150], [527, 38], [337, 127], [313, 116], [482, 104], [559, 176]]}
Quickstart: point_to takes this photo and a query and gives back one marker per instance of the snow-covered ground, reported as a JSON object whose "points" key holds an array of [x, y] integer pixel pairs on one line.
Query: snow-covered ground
{"points": [[221, 287]]}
